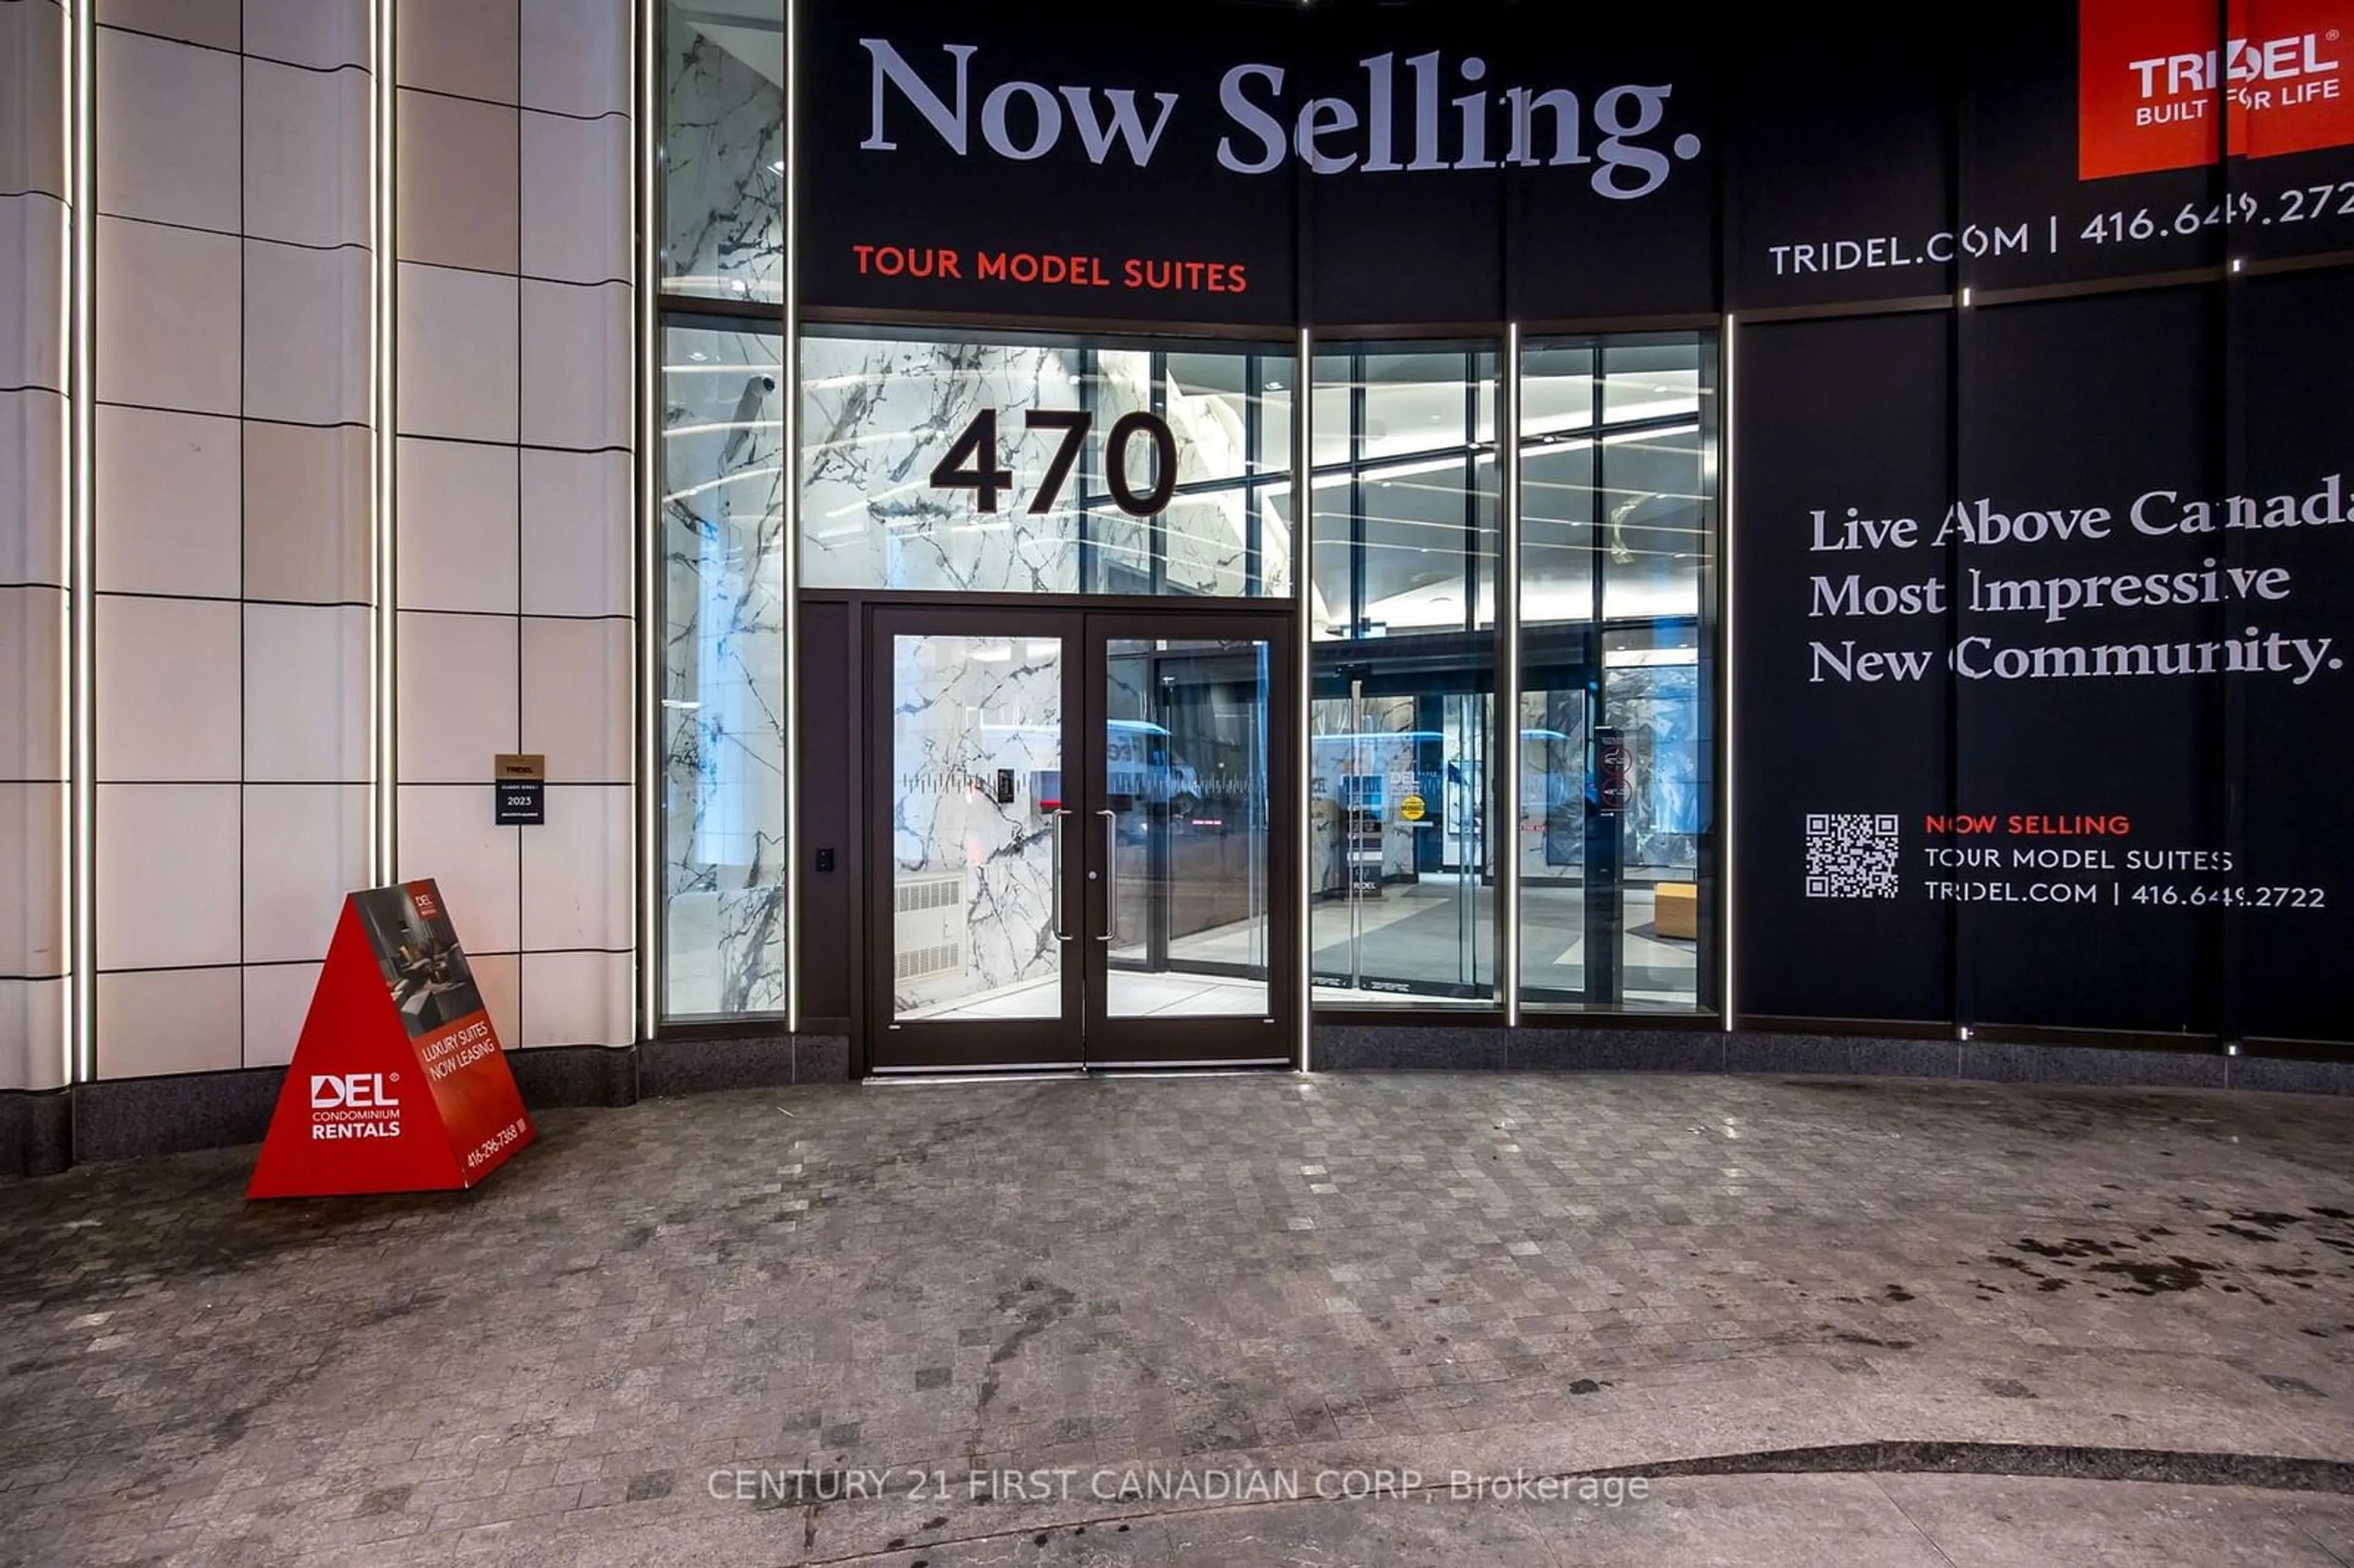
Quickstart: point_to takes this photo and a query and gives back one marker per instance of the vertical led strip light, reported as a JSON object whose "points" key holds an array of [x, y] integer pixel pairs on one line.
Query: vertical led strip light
{"points": [[646, 519], [1303, 524], [791, 459], [1726, 651], [80, 545], [1507, 839], [384, 421]]}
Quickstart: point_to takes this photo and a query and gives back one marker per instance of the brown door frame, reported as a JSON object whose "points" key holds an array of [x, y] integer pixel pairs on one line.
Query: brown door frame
{"points": [[1263, 1039]]}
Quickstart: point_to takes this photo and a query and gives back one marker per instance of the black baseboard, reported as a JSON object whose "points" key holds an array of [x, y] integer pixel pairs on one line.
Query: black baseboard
{"points": [[42, 1133], [125, 1118], [694, 1065], [35, 1132], [2292, 1076], [1403, 1047], [821, 1058], [603, 1076]]}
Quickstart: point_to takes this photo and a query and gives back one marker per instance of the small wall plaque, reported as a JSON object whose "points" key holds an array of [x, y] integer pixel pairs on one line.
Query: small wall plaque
{"points": [[519, 790]]}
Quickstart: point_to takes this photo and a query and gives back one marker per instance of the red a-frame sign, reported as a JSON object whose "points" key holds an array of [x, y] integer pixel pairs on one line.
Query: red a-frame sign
{"points": [[398, 1082]]}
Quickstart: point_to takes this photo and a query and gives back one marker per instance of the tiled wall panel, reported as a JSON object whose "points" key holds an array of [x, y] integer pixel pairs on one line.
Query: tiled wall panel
{"points": [[514, 510], [232, 500], [35, 955], [231, 508]]}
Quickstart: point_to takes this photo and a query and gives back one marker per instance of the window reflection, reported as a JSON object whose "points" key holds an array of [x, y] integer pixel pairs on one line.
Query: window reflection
{"points": [[1403, 564], [1616, 548]]}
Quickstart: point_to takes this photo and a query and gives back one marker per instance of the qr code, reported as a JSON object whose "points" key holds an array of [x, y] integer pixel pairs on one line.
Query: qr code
{"points": [[1850, 855]]}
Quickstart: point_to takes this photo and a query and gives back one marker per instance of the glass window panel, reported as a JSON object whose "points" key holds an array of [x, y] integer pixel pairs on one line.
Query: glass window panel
{"points": [[723, 721], [882, 417], [1274, 393], [723, 149], [1618, 535], [1656, 527], [1404, 563], [1557, 533], [1557, 393], [1186, 777], [1647, 381], [1413, 403], [1335, 432]]}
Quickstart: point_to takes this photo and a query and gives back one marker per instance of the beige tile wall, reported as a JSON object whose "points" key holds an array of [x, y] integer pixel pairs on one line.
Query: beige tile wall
{"points": [[34, 951], [232, 464], [513, 516], [230, 471]]}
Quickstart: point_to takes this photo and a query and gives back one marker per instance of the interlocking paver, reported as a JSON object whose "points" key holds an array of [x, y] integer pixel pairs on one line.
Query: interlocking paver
{"points": [[1369, 1270]]}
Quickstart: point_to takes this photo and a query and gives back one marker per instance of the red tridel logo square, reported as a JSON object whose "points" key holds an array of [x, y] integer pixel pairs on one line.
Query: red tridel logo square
{"points": [[2153, 80]]}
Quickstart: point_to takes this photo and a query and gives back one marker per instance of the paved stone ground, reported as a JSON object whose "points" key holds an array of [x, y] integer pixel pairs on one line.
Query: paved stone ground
{"points": [[1265, 1277]]}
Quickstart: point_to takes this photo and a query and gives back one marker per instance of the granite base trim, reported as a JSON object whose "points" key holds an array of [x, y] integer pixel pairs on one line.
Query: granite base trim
{"points": [[1615, 1051], [2094, 1065], [1359, 1047], [687, 1065], [36, 1132], [604, 1076], [821, 1058], [2290, 1075], [1412, 1047], [129, 1118]]}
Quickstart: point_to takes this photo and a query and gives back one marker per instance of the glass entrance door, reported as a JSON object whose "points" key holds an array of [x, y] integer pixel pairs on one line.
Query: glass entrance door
{"points": [[1073, 857]]}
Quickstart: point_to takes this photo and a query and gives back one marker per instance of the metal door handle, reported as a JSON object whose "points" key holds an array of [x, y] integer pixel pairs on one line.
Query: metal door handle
{"points": [[1060, 934], [1111, 864]]}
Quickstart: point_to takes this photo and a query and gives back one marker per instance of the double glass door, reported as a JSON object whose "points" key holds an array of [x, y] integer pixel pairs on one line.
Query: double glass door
{"points": [[1076, 857]]}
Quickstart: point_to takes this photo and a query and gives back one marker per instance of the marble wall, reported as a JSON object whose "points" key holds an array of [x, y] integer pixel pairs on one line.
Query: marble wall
{"points": [[965, 708], [724, 717], [878, 415], [723, 146]]}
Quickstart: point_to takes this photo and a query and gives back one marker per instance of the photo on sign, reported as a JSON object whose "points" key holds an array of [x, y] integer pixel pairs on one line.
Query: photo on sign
{"points": [[431, 984]]}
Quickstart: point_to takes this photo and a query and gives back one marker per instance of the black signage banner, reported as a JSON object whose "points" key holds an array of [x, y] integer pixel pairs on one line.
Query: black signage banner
{"points": [[2040, 686], [2038, 144], [1833, 415], [1051, 159], [2294, 749], [1096, 162], [1427, 164]]}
